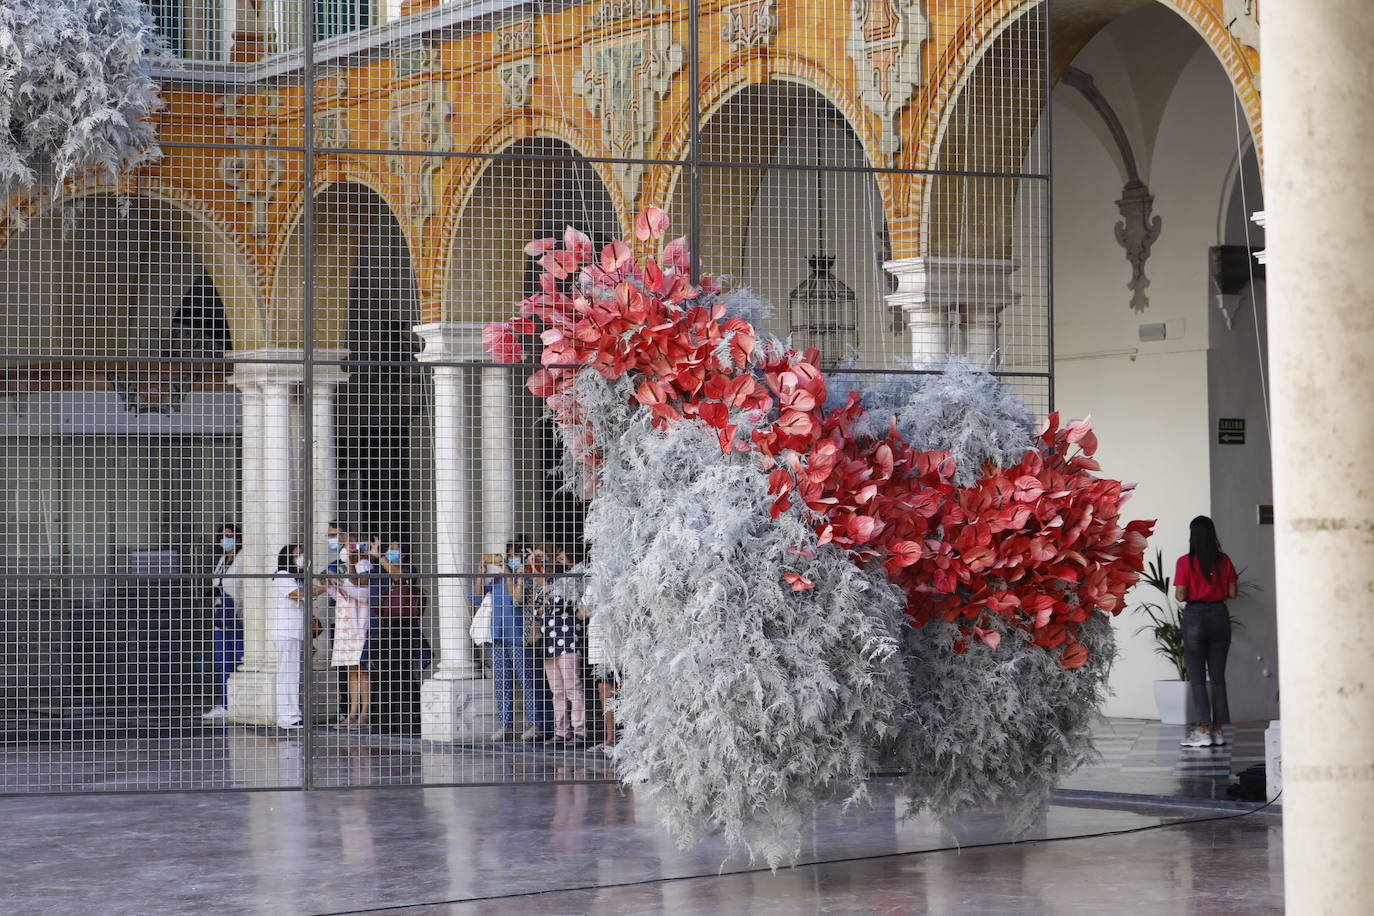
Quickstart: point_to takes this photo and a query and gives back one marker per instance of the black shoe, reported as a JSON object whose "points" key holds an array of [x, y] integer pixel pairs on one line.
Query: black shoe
{"points": [[578, 742], [555, 741]]}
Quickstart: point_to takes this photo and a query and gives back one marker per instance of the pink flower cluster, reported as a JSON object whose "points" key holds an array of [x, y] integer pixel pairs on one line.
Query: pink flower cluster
{"points": [[1040, 544]]}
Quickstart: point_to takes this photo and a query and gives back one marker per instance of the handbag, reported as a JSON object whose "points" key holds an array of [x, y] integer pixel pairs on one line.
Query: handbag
{"points": [[480, 628], [534, 622], [534, 629]]}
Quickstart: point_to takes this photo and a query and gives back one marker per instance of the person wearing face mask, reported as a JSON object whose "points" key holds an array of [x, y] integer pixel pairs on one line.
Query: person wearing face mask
{"points": [[228, 621], [394, 646], [511, 658], [284, 629], [352, 616]]}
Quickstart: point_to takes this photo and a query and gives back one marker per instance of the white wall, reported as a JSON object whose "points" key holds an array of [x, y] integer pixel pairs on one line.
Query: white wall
{"points": [[1150, 401]]}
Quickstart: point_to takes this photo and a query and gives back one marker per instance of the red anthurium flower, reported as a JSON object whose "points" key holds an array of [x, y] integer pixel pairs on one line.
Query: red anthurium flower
{"points": [[650, 223], [676, 254], [578, 245], [501, 342], [990, 638], [539, 246], [1075, 655]]}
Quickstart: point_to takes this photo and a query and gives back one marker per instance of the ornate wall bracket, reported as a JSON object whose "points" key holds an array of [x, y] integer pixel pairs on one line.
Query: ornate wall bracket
{"points": [[622, 81], [885, 42], [1137, 233], [1139, 227]]}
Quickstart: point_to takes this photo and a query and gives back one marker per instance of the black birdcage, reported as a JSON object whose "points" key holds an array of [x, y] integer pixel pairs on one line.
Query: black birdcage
{"points": [[822, 311]]}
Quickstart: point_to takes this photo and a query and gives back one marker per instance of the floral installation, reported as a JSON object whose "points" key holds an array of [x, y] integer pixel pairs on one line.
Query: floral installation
{"points": [[1038, 543], [884, 542]]}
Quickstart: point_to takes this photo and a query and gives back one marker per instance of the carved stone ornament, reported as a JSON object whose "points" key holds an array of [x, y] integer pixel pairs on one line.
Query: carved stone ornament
{"points": [[1137, 233], [420, 120], [522, 36], [414, 60], [254, 175], [623, 80], [331, 117], [750, 25], [885, 42], [516, 78], [611, 11]]}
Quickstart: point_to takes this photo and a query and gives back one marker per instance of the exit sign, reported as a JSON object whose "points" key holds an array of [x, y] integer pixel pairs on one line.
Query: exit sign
{"points": [[1231, 431]]}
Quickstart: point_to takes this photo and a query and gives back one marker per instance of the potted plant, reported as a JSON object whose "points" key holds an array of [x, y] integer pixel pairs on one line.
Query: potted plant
{"points": [[1166, 625]]}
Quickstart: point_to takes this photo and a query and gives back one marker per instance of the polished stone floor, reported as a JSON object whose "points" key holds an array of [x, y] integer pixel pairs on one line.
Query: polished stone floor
{"points": [[1137, 758], [592, 848]]}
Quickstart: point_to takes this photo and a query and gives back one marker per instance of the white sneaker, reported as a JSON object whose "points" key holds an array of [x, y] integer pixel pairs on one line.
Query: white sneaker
{"points": [[531, 734], [215, 712], [293, 725], [1197, 738], [1218, 738], [504, 734]]}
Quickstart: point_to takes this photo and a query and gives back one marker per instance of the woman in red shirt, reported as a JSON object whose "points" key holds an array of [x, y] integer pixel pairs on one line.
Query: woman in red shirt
{"points": [[1204, 579]]}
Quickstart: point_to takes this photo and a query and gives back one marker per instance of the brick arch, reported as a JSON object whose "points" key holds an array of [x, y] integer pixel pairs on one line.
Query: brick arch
{"points": [[330, 325], [976, 36], [527, 198], [504, 133], [739, 73], [226, 258]]}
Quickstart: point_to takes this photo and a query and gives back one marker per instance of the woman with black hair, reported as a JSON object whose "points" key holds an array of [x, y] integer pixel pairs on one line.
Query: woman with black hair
{"points": [[285, 629], [1204, 579]]}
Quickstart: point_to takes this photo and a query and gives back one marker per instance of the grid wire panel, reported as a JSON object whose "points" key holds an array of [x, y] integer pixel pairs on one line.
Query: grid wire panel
{"points": [[263, 471]]}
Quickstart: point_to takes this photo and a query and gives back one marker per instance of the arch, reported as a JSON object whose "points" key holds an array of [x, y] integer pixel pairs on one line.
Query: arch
{"points": [[498, 137], [740, 73], [333, 260], [521, 189], [989, 22], [220, 253]]}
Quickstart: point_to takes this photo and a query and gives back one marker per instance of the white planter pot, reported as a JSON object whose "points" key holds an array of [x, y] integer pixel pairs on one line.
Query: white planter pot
{"points": [[1172, 701]]}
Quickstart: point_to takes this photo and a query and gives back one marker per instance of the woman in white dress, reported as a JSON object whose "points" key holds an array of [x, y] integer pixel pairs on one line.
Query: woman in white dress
{"points": [[351, 618], [285, 630]]}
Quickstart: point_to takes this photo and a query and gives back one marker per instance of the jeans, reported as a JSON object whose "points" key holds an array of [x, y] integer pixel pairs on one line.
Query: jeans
{"points": [[1206, 640], [508, 660]]}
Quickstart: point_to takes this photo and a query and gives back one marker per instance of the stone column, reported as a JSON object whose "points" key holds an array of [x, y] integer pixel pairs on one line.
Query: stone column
{"points": [[324, 466], [1319, 204], [498, 460], [953, 306], [455, 702], [268, 492]]}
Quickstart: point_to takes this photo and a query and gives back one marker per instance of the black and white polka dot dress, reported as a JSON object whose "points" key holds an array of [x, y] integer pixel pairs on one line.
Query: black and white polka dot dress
{"points": [[560, 626]]}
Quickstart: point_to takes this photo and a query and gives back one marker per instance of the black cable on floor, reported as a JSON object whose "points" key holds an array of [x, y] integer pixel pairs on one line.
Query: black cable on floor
{"points": [[1125, 831]]}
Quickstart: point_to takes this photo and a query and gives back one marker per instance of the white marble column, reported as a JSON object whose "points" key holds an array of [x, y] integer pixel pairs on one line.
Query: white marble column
{"points": [[324, 465], [953, 306], [1319, 204], [498, 460], [455, 702], [268, 493]]}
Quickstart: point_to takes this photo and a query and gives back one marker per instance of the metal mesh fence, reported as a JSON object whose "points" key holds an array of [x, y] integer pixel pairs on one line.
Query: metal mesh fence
{"points": [[262, 472]]}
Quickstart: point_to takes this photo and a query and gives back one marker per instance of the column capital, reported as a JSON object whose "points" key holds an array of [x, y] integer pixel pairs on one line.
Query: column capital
{"points": [[972, 283], [451, 340], [285, 366], [268, 365]]}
